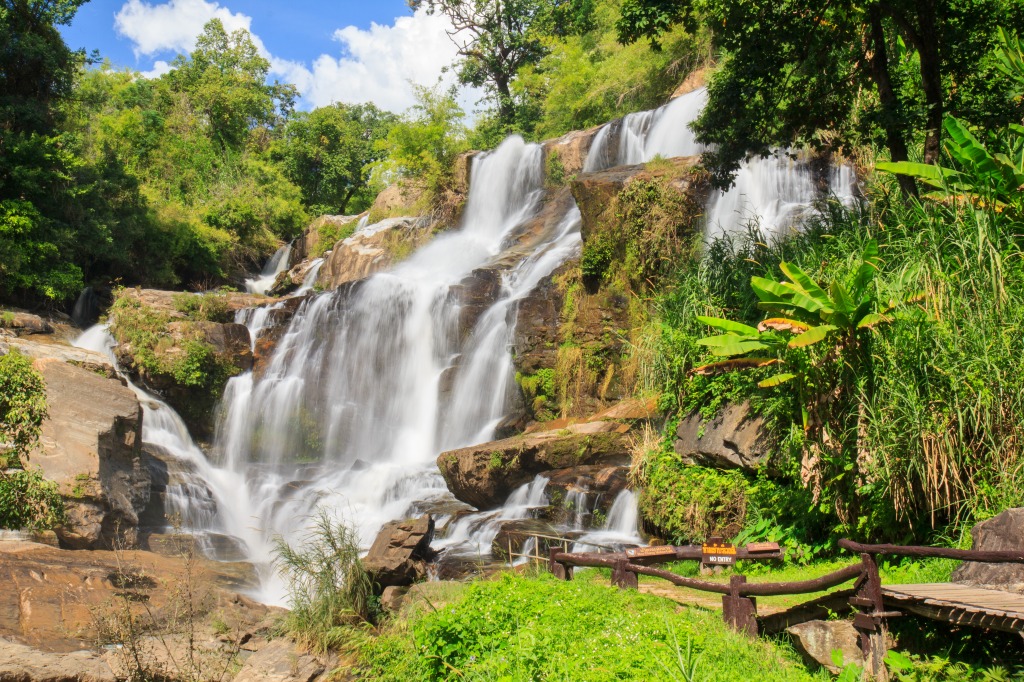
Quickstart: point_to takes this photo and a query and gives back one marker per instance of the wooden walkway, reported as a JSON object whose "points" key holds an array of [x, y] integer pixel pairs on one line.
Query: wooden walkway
{"points": [[960, 604]]}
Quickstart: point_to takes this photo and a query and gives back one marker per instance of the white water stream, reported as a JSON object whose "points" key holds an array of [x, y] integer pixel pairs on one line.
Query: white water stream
{"points": [[277, 264], [370, 383]]}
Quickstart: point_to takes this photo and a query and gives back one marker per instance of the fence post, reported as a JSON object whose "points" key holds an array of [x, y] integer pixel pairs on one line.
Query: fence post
{"points": [[623, 577], [870, 622], [739, 612], [557, 568]]}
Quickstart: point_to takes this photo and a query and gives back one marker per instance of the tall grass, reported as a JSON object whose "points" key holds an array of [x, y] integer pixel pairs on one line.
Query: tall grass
{"points": [[328, 590]]}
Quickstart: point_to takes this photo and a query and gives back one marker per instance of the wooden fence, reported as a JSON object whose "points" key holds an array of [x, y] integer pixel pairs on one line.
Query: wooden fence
{"points": [[739, 608]]}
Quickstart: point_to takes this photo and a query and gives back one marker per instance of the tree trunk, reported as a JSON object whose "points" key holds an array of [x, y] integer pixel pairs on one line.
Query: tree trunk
{"points": [[891, 109], [927, 45], [506, 111]]}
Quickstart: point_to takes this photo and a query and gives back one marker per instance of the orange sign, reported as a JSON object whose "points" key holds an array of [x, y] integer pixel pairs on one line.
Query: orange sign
{"points": [[714, 551]]}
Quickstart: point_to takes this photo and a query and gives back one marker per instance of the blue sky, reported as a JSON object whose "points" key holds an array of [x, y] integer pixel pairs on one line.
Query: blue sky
{"points": [[344, 50]]}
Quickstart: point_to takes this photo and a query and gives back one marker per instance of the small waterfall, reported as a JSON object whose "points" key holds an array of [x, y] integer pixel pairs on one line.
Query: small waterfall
{"points": [[621, 529], [309, 281], [776, 193], [277, 264], [473, 534], [87, 308], [200, 499]]}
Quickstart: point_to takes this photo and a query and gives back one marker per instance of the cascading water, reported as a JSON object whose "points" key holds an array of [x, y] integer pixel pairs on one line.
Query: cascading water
{"points": [[775, 193], [349, 413], [277, 264], [369, 383]]}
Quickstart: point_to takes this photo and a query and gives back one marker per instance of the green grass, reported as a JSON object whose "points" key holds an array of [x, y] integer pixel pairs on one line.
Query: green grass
{"points": [[530, 628]]}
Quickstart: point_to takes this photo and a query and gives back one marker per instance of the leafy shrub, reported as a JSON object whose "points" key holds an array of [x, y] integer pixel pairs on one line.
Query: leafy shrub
{"points": [[22, 405], [209, 307], [29, 502]]}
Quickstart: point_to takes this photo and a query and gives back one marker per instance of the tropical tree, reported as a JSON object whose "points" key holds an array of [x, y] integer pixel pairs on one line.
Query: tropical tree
{"points": [[328, 151], [497, 38], [796, 72]]}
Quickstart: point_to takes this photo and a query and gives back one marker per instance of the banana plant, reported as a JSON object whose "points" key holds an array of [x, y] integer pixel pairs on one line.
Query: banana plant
{"points": [[805, 316], [995, 179]]}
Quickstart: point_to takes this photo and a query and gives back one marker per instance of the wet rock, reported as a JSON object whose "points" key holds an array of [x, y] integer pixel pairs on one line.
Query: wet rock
{"points": [[734, 439], [309, 243], [91, 447], [817, 639], [36, 349], [281, 661], [373, 249], [20, 663], [484, 475], [1004, 532], [398, 555]]}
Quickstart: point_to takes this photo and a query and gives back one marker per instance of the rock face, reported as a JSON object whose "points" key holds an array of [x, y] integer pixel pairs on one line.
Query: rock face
{"points": [[596, 193], [484, 475], [91, 447], [373, 249], [1000, 533], [734, 439], [570, 150], [52, 597], [23, 324], [309, 243], [23, 664], [398, 555], [397, 200], [817, 639]]}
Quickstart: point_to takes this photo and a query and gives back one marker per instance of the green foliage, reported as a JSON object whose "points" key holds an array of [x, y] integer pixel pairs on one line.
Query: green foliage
{"points": [[517, 628], [22, 405], [29, 502], [208, 307], [328, 151], [424, 143], [328, 590], [541, 391], [330, 233], [915, 668], [987, 178]]}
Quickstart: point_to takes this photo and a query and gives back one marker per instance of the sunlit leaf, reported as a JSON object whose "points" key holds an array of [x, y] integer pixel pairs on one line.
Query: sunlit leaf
{"points": [[812, 336], [728, 325], [776, 380], [732, 365]]}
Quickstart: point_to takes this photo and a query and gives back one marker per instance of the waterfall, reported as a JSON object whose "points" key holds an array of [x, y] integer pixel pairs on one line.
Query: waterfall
{"points": [[775, 193], [621, 528], [277, 264], [349, 413]]}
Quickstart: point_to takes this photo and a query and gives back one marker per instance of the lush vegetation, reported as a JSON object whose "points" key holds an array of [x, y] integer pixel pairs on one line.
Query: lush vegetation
{"points": [[517, 628]]}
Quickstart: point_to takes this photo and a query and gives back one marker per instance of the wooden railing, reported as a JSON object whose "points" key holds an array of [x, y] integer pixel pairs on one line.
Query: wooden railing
{"points": [[739, 607]]}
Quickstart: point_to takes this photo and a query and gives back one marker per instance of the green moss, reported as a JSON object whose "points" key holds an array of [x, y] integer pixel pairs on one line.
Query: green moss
{"points": [[687, 504]]}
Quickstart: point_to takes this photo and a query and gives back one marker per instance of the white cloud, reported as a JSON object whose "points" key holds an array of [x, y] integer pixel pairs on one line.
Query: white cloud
{"points": [[172, 26], [378, 65], [160, 67]]}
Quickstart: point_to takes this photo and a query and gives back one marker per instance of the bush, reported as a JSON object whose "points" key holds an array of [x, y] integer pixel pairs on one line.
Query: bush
{"points": [[29, 502], [22, 405]]}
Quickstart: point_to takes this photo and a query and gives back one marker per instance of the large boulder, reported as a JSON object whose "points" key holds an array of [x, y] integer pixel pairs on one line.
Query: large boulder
{"points": [[398, 556], [1004, 532], [484, 475], [734, 439], [513, 539], [402, 199], [91, 447], [817, 639], [373, 249], [281, 660], [23, 324]]}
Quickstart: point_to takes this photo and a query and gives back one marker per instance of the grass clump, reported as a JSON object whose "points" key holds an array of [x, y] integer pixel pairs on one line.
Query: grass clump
{"points": [[329, 593], [523, 628], [208, 307]]}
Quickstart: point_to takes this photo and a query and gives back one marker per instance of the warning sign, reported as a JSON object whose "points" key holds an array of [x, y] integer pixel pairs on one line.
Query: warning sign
{"points": [[716, 552]]}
